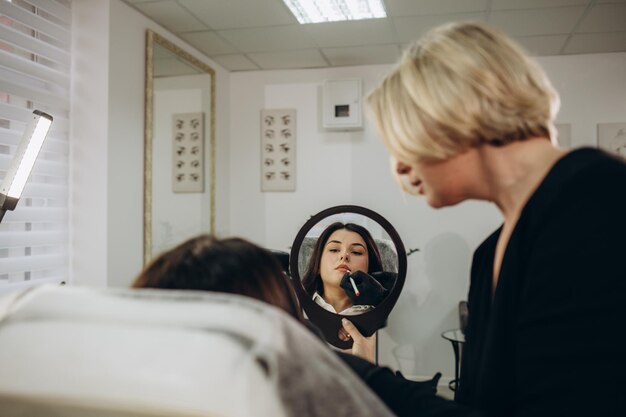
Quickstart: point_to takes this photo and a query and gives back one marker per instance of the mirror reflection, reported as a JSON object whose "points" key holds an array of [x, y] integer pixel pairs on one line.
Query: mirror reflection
{"points": [[348, 264], [179, 147]]}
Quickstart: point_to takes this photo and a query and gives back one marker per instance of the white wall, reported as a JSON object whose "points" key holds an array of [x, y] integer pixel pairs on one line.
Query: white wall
{"points": [[336, 168], [88, 142], [107, 141]]}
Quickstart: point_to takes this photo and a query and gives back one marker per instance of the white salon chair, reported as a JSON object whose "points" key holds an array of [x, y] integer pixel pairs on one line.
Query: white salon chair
{"points": [[90, 352]]}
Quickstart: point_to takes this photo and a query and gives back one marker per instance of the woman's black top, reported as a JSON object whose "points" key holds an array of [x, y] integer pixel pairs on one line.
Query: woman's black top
{"points": [[551, 340]]}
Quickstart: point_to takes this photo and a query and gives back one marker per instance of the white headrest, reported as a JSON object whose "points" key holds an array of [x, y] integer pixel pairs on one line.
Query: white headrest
{"points": [[159, 352]]}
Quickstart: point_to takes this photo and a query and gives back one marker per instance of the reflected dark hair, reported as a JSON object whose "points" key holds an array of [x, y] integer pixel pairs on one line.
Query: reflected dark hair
{"points": [[232, 265], [312, 281]]}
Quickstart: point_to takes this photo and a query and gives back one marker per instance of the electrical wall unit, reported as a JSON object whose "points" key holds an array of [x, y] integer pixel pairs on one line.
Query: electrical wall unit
{"points": [[342, 105]]}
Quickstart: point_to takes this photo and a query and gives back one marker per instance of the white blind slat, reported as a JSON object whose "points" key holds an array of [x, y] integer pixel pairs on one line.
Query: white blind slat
{"points": [[12, 138], [39, 190], [14, 113], [35, 214], [31, 263], [54, 8], [34, 45], [14, 76], [36, 95], [21, 239], [35, 22], [42, 167], [34, 70], [60, 125]]}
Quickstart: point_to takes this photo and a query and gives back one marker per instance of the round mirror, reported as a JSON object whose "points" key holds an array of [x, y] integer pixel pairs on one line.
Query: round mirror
{"points": [[347, 261]]}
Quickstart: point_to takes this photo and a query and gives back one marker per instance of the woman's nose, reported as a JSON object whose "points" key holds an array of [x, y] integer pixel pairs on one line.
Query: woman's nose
{"points": [[402, 169]]}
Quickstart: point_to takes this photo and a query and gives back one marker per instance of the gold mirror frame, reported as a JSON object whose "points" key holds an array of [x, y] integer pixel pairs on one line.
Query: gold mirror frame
{"points": [[153, 38]]}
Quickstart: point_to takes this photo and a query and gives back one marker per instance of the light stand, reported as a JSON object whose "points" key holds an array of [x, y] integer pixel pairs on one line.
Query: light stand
{"points": [[23, 161]]}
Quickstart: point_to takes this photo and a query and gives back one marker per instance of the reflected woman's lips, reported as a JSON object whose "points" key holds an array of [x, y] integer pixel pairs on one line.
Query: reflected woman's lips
{"points": [[343, 267]]}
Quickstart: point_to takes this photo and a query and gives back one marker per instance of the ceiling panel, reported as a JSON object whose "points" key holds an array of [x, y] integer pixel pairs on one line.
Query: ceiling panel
{"points": [[423, 7], [409, 29], [362, 55], [235, 62], [605, 18], [591, 43], [553, 21], [336, 34], [543, 45], [209, 43], [170, 15], [307, 58], [234, 14], [274, 38], [533, 4]]}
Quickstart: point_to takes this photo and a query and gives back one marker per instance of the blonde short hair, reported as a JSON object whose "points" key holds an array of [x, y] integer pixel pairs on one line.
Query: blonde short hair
{"points": [[462, 85]]}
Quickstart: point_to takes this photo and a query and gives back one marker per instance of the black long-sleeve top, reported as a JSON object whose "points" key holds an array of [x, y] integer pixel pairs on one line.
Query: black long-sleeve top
{"points": [[551, 340]]}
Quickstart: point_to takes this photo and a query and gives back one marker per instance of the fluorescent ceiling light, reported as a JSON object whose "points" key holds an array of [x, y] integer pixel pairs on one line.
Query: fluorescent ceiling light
{"points": [[316, 11]]}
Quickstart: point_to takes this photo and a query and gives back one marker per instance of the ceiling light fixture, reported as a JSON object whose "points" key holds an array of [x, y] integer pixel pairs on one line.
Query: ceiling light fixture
{"points": [[316, 11]]}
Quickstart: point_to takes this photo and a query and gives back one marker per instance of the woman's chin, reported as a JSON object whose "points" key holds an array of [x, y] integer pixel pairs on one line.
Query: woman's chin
{"points": [[438, 202]]}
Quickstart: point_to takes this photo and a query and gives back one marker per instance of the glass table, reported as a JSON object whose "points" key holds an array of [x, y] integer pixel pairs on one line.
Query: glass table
{"points": [[457, 338]]}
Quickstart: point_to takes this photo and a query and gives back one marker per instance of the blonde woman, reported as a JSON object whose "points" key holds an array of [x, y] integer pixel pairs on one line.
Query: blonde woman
{"points": [[468, 115]]}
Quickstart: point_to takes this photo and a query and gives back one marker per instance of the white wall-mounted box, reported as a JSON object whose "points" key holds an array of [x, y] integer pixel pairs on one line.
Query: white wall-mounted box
{"points": [[342, 104]]}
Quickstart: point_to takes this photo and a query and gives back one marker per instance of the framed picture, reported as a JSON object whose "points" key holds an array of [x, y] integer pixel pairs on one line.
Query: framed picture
{"points": [[612, 137], [278, 150], [188, 153]]}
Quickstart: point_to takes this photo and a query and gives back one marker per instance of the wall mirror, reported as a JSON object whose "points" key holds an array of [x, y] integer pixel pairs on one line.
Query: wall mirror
{"points": [[179, 146], [347, 261]]}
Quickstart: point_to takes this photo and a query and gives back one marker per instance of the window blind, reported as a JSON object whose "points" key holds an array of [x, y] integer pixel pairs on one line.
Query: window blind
{"points": [[35, 45]]}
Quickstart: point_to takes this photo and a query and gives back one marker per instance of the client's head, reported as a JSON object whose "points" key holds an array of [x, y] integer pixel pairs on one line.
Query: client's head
{"points": [[231, 265]]}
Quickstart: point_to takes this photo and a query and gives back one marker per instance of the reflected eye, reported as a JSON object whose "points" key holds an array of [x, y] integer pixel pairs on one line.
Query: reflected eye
{"points": [[356, 252]]}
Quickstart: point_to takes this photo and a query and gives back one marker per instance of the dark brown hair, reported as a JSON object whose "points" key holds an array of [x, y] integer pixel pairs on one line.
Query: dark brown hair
{"points": [[231, 265], [312, 281]]}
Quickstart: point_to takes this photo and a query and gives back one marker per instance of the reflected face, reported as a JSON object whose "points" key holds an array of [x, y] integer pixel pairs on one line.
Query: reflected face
{"points": [[344, 251]]}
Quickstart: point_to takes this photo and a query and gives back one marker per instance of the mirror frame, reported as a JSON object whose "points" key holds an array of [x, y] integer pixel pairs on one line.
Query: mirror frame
{"points": [[330, 323], [153, 38]]}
